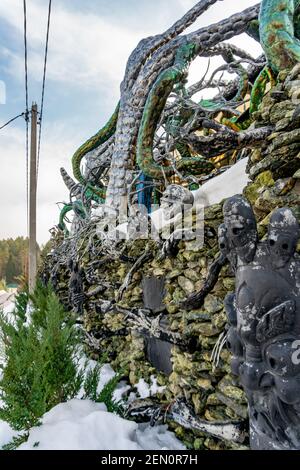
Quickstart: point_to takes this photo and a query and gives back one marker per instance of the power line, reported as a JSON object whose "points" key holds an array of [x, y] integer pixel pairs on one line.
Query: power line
{"points": [[26, 102], [25, 54], [44, 82], [13, 119]]}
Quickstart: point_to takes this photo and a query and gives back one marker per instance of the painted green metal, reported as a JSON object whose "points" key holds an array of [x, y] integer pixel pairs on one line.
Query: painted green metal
{"points": [[77, 207], [93, 192], [278, 31], [277, 21], [211, 105], [259, 88]]}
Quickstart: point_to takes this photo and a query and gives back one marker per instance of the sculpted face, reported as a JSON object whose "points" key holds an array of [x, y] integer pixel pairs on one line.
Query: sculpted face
{"points": [[279, 357], [174, 199], [264, 319], [240, 223], [282, 237]]}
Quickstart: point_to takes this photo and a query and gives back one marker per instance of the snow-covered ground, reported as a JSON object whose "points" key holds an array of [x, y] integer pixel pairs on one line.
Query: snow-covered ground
{"points": [[82, 424], [86, 425], [6, 299], [227, 184]]}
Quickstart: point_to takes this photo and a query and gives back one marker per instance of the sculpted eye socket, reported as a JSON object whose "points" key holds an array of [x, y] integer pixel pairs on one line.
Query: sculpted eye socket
{"points": [[236, 230], [285, 246], [272, 362], [222, 245], [272, 242]]}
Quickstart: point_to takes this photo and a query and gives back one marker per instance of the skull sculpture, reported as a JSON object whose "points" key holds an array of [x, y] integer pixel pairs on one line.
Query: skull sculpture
{"points": [[174, 199], [223, 240], [283, 236], [240, 223], [264, 319]]}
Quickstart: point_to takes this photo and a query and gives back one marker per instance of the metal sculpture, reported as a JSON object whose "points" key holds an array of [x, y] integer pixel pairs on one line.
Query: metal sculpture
{"points": [[76, 291], [150, 138], [156, 69]]}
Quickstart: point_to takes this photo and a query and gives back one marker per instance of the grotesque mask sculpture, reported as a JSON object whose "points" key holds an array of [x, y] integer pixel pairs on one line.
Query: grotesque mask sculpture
{"points": [[240, 226], [283, 237], [174, 199], [264, 318]]}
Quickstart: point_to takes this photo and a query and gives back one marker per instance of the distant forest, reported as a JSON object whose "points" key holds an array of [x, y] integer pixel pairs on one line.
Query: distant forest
{"points": [[13, 260]]}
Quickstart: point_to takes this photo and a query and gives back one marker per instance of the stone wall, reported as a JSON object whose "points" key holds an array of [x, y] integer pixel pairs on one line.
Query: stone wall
{"points": [[207, 386]]}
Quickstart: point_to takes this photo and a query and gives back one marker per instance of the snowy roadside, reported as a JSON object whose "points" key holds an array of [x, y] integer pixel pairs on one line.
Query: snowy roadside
{"points": [[82, 424], [86, 425]]}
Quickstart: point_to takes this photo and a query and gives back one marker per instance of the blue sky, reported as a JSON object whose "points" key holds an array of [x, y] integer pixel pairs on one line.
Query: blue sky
{"points": [[90, 41]]}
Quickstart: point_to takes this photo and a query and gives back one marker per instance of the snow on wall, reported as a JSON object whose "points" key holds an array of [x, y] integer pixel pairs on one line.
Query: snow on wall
{"points": [[220, 187]]}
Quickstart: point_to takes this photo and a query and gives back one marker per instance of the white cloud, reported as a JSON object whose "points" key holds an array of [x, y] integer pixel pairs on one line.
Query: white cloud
{"points": [[88, 50], [84, 50], [57, 149]]}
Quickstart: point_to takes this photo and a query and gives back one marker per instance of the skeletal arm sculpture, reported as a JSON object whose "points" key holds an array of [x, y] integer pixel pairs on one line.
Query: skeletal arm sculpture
{"points": [[220, 142]]}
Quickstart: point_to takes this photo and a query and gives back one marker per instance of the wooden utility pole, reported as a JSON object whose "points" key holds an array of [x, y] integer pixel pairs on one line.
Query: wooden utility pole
{"points": [[32, 199]]}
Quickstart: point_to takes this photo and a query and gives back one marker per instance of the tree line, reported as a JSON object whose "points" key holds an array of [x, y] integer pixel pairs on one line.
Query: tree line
{"points": [[13, 259]]}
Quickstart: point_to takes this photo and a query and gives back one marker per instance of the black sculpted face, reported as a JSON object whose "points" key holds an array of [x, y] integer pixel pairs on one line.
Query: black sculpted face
{"points": [[240, 224], [264, 319], [283, 235]]}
